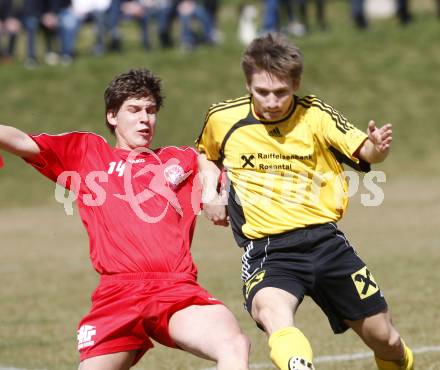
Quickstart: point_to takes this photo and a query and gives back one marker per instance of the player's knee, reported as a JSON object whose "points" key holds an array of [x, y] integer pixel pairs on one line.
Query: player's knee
{"points": [[388, 338], [233, 353], [240, 344], [394, 340], [235, 348], [264, 316]]}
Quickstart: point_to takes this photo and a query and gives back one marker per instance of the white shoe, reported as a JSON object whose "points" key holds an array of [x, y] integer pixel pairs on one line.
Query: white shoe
{"points": [[298, 363], [297, 29], [247, 27], [51, 58]]}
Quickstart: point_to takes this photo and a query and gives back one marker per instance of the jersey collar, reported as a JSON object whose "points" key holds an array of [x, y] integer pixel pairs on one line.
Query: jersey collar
{"points": [[282, 119]]}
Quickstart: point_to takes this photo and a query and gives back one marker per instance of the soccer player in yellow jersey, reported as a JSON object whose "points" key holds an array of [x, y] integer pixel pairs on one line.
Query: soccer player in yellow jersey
{"points": [[283, 158]]}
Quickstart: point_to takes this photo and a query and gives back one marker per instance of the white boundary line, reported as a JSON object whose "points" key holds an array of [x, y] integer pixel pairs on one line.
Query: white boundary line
{"points": [[339, 358], [318, 360]]}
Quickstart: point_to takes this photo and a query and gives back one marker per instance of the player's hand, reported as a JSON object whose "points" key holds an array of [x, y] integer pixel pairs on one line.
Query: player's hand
{"points": [[216, 211], [380, 137]]}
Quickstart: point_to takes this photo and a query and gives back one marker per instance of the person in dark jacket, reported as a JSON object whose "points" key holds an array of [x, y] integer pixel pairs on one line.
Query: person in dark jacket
{"points": [[36, 14], [10, 27]]}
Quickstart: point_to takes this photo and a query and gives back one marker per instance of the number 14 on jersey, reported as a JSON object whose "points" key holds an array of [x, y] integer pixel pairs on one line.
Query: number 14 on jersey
{"points": [[118, 167]]}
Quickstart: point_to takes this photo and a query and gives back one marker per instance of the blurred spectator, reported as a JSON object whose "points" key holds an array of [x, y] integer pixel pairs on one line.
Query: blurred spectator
{"points": [[143, 12], [69, 25], [72, 14], [169, 14], [113, 17], [196, 26], [403, 12], [247, 28], [287, 6], [320, 13], [271, 16], [294, 25], [198, 22], [10, 26], [298, 27], [36, 14], [146, 12], [358, 14], [211, 7], [95, 11]]}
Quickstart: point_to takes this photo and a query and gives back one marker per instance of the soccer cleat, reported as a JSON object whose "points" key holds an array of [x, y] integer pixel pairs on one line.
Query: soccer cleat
{"points": [[298, 363]]}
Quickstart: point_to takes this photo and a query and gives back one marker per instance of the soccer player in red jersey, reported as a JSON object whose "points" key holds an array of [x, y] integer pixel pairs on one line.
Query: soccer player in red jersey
{"points": [[139, 208]]}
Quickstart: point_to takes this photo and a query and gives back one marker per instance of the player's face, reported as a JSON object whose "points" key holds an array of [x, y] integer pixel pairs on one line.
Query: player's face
{"points": [[272, 97], [135, 123]]}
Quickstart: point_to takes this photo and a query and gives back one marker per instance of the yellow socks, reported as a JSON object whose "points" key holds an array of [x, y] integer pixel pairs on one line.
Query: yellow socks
{"points": [[407, 363], [290, 350]]}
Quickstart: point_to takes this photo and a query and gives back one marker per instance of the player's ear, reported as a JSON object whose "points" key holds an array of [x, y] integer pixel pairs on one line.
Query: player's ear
{"points": [[111, 118]]}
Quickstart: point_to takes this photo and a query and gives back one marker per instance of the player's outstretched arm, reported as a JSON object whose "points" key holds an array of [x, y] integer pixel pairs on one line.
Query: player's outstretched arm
{"points": [[17, 142], [376, 148], [214, 204]]}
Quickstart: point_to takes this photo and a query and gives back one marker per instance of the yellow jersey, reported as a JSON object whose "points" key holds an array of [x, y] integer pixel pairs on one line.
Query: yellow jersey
{"points": [[285, 174]]}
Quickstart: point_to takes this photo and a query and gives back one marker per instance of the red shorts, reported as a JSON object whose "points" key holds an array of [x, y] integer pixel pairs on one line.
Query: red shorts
{"points": [[129, 309]]}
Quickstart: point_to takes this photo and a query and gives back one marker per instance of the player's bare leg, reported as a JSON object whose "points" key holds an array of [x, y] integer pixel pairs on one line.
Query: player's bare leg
{"points": [[274, 310], [113, 361], [211, 332], [381, 336]]}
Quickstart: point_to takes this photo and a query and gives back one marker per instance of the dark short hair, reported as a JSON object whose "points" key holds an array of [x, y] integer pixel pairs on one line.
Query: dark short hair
{"points": [[273, 54], [136, 83]]}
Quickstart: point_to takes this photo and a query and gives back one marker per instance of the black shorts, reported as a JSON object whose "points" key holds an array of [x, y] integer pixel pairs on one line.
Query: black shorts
{"points": [[316, 261]]}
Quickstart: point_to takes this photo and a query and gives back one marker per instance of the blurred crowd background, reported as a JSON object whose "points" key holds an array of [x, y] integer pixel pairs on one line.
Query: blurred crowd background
{"points": [[55, 25]]}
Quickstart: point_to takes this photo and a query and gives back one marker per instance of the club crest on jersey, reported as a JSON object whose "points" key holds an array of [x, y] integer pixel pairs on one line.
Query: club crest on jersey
{"points": [[175, 175]]}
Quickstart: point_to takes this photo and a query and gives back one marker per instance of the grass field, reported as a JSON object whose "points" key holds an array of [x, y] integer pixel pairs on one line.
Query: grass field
{"points": [[388, 73], [47, 281]]}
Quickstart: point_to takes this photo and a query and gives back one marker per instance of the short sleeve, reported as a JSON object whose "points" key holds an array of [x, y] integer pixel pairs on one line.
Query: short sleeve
{"points": [[343, 138], [209, 142], [59, 153]]}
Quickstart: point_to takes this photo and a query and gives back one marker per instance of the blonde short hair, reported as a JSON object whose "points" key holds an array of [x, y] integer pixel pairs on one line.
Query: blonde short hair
{"points": [[275, 55]]}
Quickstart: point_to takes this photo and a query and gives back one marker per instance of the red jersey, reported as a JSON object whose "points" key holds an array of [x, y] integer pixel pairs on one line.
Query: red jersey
{"points": [[139, 208]]}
